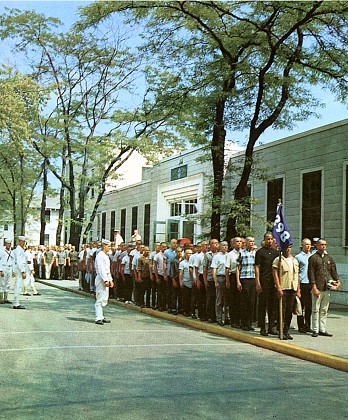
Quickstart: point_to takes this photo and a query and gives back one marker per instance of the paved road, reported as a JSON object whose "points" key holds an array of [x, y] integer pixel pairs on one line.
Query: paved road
{"points": [[55, 363]]}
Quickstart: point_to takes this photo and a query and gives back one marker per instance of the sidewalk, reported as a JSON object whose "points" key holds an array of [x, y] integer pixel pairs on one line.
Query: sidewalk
{"points": [[328, 351]]}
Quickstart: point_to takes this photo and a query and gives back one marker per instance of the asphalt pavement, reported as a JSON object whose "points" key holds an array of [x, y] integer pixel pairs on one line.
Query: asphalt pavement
{"points": [[329, 351], [56, 363]]}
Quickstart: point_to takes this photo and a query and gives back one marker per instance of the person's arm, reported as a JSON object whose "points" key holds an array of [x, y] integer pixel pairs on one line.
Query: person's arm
{"points": [[257, 279], [239, 284], [180, 278], [277, 281], [215, 277]]}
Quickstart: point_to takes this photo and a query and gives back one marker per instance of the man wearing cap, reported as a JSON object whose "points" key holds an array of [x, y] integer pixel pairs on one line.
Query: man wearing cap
{"points": [[117, 238], [287, 285], [103, 281], [7, 262], [20, 271]]}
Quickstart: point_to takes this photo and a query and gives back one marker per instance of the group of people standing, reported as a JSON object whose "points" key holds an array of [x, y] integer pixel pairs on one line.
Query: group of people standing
{"points": [[18, 264], [239, 286]]}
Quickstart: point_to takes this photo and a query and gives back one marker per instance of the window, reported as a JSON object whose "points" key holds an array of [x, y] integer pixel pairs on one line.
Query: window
{"points": [[47, 215], [178, 172], [274, 193], [190, 206], [346, 189], [173, 229], [183, 207], [46, 239], [188, 230], [6, 226], [103, 225], [311, 205], [134, 219], [112, 224], [98, 225], [123, 223], [146, 239], [175, 209]]}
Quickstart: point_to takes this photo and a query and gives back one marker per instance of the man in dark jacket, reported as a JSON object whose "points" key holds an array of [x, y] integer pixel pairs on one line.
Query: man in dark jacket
{"points": [[323, 277]]}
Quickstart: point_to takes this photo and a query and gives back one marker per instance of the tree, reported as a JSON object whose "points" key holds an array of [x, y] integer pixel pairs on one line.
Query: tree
{"points": [[251, 65], [19, 167], [83, 130]]}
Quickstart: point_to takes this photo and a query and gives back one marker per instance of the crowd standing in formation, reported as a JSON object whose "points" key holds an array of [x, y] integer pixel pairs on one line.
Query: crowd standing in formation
{"points": [[239, 287]]}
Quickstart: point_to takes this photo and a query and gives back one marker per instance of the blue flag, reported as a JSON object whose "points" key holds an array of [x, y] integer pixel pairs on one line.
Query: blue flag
{"points": [[281, 231]]}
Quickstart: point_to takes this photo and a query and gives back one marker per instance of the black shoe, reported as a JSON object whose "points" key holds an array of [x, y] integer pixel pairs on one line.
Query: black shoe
{"points": [[288, 336], [7, 301], [106, 321], [26, 294], [19, 307], [302, 330], [36, 294], [220, 323], [263, 332], [325, 334], [284, 337], [2, 302], [251, 328], [315, 334], [245, 328], [193, 316], [99, 322], [273, 331]]}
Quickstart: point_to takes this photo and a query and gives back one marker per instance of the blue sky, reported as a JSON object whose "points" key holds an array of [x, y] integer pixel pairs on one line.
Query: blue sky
{"points": [[66, 11]]}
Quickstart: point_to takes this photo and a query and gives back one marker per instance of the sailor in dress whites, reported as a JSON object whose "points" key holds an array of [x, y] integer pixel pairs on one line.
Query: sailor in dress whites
{"points": [[7, 262], [103, 281], [30, 279], [20, 271]]}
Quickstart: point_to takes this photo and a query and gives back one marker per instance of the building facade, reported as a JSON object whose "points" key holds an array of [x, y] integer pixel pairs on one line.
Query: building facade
{"points": [[309, 173]]}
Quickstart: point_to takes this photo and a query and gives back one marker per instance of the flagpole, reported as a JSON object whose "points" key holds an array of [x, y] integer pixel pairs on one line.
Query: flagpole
{"points": [[280, 326]]}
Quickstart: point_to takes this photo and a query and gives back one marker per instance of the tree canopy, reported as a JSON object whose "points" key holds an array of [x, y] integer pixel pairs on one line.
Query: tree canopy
{"points": [[240, 66]]}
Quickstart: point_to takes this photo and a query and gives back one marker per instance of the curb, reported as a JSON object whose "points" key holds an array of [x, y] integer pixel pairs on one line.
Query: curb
{"points": [[309, 355]]}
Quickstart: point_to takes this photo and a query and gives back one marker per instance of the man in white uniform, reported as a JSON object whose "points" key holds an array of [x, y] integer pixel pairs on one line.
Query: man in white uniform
{"points": [[103, 281], [30, 279], [7, 262], [20, 271]]}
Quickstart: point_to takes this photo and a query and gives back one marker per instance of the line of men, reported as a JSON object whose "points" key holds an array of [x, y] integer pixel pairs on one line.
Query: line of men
{"points": [[18, 264], [236, 287], [55, 262]]}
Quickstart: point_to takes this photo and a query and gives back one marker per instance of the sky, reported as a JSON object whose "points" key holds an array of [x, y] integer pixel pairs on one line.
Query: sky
{"points": [[67, 11]]}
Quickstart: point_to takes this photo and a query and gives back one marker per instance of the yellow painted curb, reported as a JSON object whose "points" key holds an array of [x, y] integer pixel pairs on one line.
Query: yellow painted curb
{"points": [[276, 345]]}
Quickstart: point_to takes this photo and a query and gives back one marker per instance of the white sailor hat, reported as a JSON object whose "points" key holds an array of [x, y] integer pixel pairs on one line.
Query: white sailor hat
{"points": [[8, 241], [21, 238], [105, 242]]}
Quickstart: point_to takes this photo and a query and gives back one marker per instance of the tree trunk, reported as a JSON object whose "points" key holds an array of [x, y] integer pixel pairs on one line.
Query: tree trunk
{"points": [[43, 204], [241, 191], [61, 204], [218, 154]]}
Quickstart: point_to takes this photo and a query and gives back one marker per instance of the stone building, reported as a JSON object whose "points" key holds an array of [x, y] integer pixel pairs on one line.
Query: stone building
{"points": [[309, 173]]}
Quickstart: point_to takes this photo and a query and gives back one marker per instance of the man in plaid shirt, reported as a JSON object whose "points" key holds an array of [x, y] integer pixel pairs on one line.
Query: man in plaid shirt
{"points": [[245, 275]]}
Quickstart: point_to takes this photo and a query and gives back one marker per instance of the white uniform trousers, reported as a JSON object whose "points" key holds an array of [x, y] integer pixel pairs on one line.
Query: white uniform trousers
{"points": [[29, 281], [320, 307], [102, 296], [5, 282], [18, 286]]}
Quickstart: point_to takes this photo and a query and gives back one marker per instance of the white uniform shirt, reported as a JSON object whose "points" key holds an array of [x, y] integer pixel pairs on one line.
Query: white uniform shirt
{"points": [[102, 266], [21, 260], [7, 259]]}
